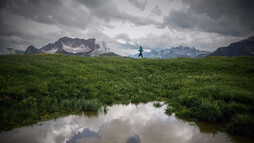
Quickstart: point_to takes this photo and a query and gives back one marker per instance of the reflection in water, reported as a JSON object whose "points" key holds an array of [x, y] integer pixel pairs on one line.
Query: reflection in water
{"points": [[86, 133], [131, 123], [133, 139]]}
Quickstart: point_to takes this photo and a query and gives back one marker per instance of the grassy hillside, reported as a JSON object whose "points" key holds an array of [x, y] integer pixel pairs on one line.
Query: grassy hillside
{"points": [[34, 87]]}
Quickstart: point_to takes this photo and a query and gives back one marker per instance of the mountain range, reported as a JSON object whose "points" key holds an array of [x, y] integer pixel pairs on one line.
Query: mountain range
{"points": [[174, 52], [90, 47], [70, 46]]}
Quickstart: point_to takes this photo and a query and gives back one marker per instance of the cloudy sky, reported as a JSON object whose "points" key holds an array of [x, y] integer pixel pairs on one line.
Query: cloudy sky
{"points": [[126, 24]]}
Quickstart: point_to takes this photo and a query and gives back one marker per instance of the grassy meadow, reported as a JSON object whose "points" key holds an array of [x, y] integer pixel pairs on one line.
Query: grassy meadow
{"points": [[214, 89]]}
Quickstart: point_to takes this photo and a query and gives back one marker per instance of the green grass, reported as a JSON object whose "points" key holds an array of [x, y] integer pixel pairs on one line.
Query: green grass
{"points": [[214, 89], [157, 104]]}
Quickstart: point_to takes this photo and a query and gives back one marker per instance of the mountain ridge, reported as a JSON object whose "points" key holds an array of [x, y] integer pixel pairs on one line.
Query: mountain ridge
{"points": [[32, 50], [241, 48]]}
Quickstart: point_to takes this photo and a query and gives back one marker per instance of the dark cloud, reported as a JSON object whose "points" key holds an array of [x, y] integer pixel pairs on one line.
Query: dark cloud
{"points": [[192, 21], [141, 5], [70, 19], [108, 11], [242, 9], [156, 11], [38, 22], [6, 35], [3, 3], [5, 29], [18, 38], [49, 12], [102, 9], [228, 17]]}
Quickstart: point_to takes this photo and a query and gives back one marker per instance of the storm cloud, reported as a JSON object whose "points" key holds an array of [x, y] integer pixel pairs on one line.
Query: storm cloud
{"points": [[228, 17], [154, 24], [49, 12], [141, 5], [156, 10]]}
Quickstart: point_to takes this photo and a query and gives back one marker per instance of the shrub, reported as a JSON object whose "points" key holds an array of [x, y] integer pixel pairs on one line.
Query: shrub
{"points": [[90, 105], [190, 101], [157, 104], [208, 112], [169, 110], [106, 99], [184, 113]]}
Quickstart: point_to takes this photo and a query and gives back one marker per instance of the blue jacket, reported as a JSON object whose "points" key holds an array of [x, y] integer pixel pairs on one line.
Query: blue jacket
{"points": [[140, 50]]}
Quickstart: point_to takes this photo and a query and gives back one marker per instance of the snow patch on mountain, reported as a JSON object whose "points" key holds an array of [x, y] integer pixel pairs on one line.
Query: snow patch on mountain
{"points": [[80, 49]]}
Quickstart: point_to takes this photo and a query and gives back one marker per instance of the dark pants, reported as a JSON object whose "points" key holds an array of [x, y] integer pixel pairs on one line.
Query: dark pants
{"points": [[140, 54]]}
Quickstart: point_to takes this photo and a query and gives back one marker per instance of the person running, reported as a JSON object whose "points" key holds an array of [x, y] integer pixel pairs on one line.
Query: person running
{"points": [[140, 52]]}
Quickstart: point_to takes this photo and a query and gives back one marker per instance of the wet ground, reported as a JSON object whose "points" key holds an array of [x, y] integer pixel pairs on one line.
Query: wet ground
{"points": [[142, 123]]}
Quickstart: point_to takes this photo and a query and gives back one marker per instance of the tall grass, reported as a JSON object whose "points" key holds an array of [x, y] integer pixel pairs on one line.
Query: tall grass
{"points": [[214, 89]]}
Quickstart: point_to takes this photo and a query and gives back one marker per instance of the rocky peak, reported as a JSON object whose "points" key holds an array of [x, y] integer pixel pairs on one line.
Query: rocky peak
{"points": [[32, 50]]}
